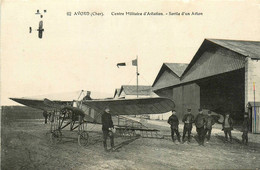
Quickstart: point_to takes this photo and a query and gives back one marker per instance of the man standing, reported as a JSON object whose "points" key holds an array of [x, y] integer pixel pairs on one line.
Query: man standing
{"points": [[200, 122], [87, 97], [174, 122], [210, 121], [187, 120], [227, 127], [107, 125], [45, 115], [245, 129]]}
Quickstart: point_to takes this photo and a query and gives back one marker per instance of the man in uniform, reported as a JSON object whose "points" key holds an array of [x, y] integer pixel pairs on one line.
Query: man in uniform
{"points": [[107, 125], [210, 121], [174, 122], [245, 129], [187, 120], [227, 127], [200, 122]]}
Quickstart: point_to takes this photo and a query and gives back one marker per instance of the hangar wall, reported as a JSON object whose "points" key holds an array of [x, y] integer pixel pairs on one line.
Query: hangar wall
{"points": [[252, 74], [221, 93], [184, 97], [191, 98], [177, 94]]}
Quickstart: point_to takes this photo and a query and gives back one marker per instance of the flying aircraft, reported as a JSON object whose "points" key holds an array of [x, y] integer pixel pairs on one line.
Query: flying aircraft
{"points": [[77, 114], [40, 29]]}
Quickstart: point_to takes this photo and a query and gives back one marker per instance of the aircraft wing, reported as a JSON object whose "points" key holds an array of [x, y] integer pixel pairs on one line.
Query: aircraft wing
{"points": [[49, 105], [135, 106], [44, 104]]}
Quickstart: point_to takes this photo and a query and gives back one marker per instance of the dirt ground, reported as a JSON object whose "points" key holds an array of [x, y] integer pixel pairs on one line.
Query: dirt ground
{"points": [[26, 145]]}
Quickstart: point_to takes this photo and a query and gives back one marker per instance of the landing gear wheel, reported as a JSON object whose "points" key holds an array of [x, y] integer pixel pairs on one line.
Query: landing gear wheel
{"points": [[55, 136], [83, 138]]}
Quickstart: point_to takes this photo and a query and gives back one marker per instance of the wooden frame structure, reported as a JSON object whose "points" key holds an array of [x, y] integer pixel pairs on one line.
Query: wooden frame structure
{"points": [[60, 119]]}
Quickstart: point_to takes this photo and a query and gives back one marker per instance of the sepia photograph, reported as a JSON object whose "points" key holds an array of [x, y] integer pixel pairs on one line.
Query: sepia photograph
{"points": [[169, 84]]}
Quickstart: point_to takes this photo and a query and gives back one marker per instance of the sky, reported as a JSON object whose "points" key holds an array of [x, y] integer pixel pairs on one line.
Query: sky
{"points": [[80, 52]]}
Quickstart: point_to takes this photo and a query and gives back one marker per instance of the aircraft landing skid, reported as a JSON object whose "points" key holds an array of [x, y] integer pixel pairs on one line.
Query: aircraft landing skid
{"points": [[128, 127], [58, 123], [132, 132]]}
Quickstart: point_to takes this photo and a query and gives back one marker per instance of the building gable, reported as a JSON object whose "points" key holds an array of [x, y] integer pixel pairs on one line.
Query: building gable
{"points": [[212, 60], [167, 78]]}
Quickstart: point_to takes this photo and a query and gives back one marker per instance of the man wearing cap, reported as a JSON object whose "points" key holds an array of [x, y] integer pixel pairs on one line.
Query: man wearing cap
{"points": [[187, 120], [174, 122], [227, 127], [245, 129], [107, 125], [210, 121], [200, 122]]}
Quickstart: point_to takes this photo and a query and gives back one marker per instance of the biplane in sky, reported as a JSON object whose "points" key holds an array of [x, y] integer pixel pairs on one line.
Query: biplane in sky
{"points": [[77, 114]]}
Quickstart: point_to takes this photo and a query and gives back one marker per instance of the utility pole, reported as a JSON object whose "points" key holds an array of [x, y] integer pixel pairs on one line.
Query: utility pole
{"points": [[254, 108], [137, 74]]}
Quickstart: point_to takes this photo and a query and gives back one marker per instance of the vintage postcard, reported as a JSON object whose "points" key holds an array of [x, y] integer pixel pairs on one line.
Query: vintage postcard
{"points": [[168, 84]]}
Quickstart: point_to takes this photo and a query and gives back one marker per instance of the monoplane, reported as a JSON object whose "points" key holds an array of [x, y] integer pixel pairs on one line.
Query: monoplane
{"points": [[40, 29], [77, 114]]}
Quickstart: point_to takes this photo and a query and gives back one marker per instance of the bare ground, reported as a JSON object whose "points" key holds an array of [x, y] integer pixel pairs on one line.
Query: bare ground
{"points": [[26, 145]]}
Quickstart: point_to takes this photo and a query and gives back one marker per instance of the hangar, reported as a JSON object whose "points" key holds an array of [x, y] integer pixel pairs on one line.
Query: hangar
{"points": [[220, 78], [130, 91]]}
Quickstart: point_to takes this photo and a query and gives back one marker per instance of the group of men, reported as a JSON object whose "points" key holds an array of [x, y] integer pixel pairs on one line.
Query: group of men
{"points": [[202, 122], [204, 125]]}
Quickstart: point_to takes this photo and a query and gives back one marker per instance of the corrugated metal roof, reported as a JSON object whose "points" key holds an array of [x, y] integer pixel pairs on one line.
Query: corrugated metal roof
{"points": [[247, 48], [213, 62], [212, 59], [237, 46], [116, 92], [177, 68], [132, 90], [166, 79]]}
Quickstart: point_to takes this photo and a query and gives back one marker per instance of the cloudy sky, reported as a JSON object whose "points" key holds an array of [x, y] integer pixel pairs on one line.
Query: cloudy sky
{"points": [[81, 52]]}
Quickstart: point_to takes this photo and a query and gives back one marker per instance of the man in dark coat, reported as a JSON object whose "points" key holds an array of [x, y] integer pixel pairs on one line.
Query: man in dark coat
{"points": [[87, 97], [188, 119], [107, 125], [200, 123], [210, 121], [45, 115], [245, 129], [227, 127], [174, 122]]}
